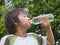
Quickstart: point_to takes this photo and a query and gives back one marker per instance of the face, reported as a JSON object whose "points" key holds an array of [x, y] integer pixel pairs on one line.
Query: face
{"points": [[24, 20]]}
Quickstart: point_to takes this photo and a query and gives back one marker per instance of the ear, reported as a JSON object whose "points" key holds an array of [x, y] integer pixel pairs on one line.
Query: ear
{"points": [[15, 24]]}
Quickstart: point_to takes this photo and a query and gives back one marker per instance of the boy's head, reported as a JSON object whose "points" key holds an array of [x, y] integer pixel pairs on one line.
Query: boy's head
{"points": [[15, 18]]}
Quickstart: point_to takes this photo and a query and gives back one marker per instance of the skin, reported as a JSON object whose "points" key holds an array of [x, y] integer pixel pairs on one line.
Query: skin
{"points": [[24, 25], [46, 24]]}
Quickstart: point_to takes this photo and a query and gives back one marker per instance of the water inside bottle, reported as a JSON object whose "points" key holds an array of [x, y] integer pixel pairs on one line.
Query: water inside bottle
{"points": [[35, 21]]}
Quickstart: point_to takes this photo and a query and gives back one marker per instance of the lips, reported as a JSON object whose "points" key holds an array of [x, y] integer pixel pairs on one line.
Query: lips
{"points": [[29, 21]]}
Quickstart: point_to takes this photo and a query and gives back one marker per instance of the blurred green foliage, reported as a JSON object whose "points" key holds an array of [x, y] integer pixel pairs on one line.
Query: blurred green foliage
{"points": [[35, 8]]}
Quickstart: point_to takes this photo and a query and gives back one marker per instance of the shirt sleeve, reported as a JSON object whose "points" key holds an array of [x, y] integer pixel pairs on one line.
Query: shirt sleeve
{"points": [[44, 40], [0, 43]]}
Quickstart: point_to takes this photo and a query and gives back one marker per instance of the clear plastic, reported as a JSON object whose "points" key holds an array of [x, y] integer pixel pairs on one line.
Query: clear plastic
{"points": [[35, 20]]}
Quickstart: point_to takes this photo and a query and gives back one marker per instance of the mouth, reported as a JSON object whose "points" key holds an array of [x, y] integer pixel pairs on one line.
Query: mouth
{"points": [[29, 21]]}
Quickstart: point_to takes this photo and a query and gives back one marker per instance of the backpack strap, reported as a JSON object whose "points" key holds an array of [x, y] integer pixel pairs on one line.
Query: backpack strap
{"points": [[39, 38], [10, 40]]}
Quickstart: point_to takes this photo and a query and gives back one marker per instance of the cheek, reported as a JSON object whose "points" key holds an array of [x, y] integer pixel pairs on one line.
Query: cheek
{"points": [[23, 21]]}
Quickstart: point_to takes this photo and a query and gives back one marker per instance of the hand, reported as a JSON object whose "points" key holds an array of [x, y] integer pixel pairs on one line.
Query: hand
{"points": [[44, 21]]}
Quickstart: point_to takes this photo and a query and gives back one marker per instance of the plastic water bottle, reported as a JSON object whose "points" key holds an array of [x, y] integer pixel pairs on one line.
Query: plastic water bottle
{"points": [[35, 20]]}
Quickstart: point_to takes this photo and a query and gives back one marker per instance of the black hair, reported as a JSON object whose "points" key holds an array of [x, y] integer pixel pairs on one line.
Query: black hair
{"points": [[10, 18]]}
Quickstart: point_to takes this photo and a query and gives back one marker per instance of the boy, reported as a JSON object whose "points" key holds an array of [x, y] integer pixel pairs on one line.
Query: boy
{"points": [[17, 23]]}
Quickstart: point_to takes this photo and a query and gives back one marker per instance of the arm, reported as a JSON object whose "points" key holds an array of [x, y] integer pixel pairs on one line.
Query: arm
{"points": [[50, 37], [49, 33]]}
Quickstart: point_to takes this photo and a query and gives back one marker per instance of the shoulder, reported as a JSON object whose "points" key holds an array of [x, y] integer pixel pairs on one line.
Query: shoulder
{"points": [[3, 39], [31, 33], [41, 39]]}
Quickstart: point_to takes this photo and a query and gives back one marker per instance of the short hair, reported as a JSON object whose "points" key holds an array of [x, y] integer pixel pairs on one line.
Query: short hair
{"points": [[10, 18]]}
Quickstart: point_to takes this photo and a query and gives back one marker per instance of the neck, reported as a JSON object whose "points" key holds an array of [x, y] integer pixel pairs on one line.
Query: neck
{"points": [[21, 32]]}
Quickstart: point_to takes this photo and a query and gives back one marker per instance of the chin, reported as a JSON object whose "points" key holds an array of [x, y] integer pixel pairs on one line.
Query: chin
{"points": [[28, 26]]}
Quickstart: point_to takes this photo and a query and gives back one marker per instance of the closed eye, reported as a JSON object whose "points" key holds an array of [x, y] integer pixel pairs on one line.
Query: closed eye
{"points": [[24, 16]]}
